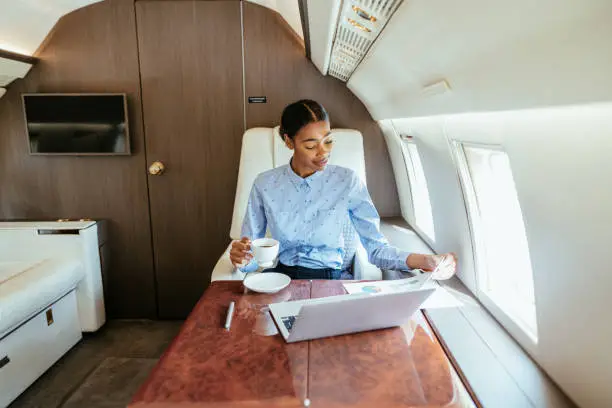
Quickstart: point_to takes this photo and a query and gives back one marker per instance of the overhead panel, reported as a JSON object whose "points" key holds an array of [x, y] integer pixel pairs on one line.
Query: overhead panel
{"points": [[322, 19], [11, 70], [359, 23], [6, 79]]}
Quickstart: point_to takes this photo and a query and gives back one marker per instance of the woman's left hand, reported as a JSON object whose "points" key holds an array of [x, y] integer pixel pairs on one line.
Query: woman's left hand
{"points": [[442, 266]]}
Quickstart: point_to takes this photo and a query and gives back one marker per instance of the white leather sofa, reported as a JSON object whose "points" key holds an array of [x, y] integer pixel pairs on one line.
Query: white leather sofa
{"points": [[263, 149], [50, 292]]}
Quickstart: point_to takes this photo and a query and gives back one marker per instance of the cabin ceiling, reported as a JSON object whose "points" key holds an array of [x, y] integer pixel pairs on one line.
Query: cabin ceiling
{"points": [[437, 57], [420, 57], [24, 25]]}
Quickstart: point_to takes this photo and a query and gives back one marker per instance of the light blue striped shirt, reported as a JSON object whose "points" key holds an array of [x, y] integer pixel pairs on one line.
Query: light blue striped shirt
{"points": [[307, 216]]}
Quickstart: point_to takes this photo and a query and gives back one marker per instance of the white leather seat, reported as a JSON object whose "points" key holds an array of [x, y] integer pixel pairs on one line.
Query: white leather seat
{"points": [[263, 149], [28, 287]]}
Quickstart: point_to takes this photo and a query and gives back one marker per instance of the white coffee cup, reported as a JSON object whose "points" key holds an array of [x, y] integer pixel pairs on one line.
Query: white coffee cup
{"points": [[265, 251]]}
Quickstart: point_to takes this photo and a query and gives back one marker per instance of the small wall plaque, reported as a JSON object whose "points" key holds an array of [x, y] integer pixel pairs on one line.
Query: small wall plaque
{"points": [[258, 99]]}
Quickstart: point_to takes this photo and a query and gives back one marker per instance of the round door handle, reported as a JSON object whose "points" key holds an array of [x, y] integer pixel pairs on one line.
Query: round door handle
{"points": [[156, 168]]}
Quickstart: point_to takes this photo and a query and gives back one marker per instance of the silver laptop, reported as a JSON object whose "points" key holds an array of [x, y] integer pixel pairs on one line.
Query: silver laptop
{"points": [[331, 316]]}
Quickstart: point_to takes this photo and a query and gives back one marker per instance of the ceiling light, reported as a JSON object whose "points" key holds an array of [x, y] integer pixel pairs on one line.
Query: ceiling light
{"points": [[364, 14], [359, 26]]}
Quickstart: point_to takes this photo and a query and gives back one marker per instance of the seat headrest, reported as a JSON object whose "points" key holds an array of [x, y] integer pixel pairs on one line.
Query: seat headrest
{"points": [[263, 149], [256, 157]]}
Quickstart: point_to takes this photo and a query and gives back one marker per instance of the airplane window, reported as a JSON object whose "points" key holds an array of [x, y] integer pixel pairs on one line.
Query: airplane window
{"points": [[418, 188], [503, 265]]}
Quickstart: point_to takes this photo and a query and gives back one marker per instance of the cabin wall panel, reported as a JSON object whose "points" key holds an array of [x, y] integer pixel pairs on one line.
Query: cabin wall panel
{"points": [[394, 145], [562, 169], [91, 50], [275, 67]]}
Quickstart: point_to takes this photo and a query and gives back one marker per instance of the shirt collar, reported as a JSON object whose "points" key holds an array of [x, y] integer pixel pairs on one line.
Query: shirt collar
{"points": [[299, 181]]}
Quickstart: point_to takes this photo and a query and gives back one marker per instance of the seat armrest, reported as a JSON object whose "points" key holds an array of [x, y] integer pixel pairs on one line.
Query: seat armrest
{"points": [[362, 268], [224, 270]]}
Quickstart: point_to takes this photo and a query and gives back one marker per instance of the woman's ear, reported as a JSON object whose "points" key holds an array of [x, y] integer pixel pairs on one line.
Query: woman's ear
{"points": [[288, 141]]}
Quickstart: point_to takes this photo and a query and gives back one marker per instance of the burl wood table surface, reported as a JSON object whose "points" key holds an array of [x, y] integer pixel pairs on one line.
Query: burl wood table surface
{"points": [[251, 365]]}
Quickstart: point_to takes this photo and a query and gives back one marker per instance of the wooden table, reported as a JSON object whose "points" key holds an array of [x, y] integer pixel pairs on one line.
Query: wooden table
{"points": [[251, 365]]}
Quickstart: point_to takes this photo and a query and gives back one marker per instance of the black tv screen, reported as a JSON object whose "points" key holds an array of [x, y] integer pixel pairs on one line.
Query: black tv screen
{"points": [[88, 124]]}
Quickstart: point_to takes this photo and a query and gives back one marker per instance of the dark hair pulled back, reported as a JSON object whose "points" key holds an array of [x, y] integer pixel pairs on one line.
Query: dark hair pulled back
{"points": [[299, 114]]}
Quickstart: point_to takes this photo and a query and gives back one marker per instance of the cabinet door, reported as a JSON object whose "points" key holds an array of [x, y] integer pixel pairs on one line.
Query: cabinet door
{"points": [[191, 70]]}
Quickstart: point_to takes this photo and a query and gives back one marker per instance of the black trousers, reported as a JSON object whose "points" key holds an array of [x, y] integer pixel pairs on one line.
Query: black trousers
{"points": [[300, 272]]}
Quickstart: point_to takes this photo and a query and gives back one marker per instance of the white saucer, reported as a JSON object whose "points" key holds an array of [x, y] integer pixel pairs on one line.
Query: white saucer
{"points": [[269, 282]]}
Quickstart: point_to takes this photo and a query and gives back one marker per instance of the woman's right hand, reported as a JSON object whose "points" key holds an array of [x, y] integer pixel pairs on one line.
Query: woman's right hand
{"points": [[239, 253]]}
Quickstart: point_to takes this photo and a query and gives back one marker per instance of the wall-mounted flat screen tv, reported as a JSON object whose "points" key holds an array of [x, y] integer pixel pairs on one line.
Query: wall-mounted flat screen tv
{"points": [[77, 124]]}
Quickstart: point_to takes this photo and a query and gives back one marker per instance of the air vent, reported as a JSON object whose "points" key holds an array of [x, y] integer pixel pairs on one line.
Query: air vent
{"points": [[381, 9], [359, 23]]}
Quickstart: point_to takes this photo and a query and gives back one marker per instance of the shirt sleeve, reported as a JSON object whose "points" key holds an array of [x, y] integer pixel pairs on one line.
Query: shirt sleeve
{"points": [[254, 224], [365, 218]]}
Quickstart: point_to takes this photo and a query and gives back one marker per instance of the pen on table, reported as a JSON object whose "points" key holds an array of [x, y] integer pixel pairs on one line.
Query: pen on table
{"points": [[228, 319]]}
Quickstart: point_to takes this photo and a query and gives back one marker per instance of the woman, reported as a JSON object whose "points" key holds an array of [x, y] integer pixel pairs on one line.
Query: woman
{"points": [[305, 204]]}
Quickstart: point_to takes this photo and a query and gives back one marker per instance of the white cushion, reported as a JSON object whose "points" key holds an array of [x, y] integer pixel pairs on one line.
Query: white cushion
{"points": [[39, 284], [256, 157], [282, 154], [10, 269]]}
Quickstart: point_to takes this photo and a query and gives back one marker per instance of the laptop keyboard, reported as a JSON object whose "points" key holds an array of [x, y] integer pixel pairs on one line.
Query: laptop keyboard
{"points": [[288, 321]]}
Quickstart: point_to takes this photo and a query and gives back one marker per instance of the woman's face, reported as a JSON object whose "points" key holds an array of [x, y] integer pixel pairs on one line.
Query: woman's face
{"points": [[311, 147]]}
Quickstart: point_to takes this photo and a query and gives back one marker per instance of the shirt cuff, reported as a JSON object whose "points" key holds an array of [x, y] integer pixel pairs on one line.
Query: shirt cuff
{"points": [[402, 256], [250, 267]]}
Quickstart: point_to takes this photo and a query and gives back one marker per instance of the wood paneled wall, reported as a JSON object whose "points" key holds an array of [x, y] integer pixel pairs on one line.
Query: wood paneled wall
{"points": [[275, 66], [91, 50], [194, 121], [95, 49]]}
